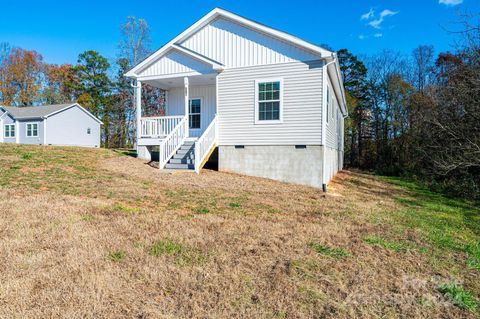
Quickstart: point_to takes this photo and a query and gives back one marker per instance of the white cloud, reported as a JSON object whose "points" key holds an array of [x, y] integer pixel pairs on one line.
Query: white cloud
{"points": [[450, 2], [368, 15], [361, 37], [385, 13], [378, 35]]}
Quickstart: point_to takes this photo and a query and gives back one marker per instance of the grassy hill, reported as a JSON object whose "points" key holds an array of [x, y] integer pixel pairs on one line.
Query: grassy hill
{"points": [[92, 233]]}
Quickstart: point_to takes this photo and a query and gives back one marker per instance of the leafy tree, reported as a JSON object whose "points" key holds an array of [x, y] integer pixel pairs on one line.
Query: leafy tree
{"points": [[61, 83], [94, 86], [21, 76]]}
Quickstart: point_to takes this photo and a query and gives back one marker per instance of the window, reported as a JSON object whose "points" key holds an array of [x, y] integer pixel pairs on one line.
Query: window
{"points": [[269, 103], [9, 130], [89, 131], [194, 113], [32, 129]]}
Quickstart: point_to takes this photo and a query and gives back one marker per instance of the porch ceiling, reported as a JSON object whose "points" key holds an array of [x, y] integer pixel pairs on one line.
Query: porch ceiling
{"points": [[194, 80]]}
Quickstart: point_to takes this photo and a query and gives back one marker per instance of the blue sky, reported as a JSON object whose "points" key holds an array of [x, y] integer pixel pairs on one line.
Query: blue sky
{"points": [[60, 30]]}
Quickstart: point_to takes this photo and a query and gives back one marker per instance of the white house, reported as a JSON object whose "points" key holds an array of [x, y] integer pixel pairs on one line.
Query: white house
{"points": [[59, 124], [273, 104]]}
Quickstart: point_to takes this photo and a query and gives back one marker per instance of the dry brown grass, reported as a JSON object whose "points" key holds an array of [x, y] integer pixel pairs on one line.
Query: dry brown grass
{"points": [[89, 233]]}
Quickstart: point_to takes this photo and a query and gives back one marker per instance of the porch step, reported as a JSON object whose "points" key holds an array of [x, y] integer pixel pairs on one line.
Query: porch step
{"points": [[179, 166], [184, 158]]}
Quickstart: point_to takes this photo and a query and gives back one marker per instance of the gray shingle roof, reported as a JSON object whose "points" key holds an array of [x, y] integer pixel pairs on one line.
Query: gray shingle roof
{"points": [[34, 111]]}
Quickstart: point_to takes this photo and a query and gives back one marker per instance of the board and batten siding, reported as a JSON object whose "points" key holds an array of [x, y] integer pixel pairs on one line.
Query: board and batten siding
{"points": [[178, 63], [302, 105], [235, 45], [176, 105]]}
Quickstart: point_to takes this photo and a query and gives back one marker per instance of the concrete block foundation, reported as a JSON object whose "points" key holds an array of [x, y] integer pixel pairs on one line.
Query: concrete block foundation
{"points": [[299, 165]]}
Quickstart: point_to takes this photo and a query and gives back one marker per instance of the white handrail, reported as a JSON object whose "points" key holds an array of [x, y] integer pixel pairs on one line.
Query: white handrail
{"points": [[172, 142], [205, 143], [159, 126]]}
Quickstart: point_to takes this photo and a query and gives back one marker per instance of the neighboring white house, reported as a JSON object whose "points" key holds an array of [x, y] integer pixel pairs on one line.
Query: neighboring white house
{"points": [[60, 124], [273, 104]]}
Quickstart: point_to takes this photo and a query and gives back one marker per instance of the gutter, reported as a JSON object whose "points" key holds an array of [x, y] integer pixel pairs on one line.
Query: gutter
{"points": [[334, 58]]}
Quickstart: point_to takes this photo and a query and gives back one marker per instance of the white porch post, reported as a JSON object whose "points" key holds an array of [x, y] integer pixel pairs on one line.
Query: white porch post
{"points": [[138, 106], [187, 102]]}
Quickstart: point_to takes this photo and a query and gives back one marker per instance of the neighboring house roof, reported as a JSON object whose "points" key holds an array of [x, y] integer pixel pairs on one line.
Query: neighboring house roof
{"points": [[42, 111]]}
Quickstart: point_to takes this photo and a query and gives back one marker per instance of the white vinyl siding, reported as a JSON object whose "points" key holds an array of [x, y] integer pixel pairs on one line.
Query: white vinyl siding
{"points": [[302, 105], [334, 137], [177, 63], [176, 104], [235, 45]]}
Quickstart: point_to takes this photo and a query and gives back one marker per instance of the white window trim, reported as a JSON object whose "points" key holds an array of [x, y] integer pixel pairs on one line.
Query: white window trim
{"points": [[189, 113], [280, 120], [9, 131], [26, 129]]}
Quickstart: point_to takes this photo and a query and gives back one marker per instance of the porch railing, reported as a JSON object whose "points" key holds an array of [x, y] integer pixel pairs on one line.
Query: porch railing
{"points": [[155, 127], [172, 141], [205, 143]]}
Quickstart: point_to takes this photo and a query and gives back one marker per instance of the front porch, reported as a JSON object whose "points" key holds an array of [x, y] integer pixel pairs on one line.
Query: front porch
{"points": [[187, 134]]}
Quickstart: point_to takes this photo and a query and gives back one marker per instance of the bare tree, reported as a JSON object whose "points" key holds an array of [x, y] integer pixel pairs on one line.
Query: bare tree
{"points": [[423, 66], [134, 45]]}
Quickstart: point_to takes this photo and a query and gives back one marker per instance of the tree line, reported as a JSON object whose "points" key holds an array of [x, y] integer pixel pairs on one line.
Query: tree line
{"points": [[95, 82], [418, 115]]}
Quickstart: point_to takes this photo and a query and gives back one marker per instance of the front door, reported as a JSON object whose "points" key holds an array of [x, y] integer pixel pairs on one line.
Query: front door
{"points": [[195, 117]]}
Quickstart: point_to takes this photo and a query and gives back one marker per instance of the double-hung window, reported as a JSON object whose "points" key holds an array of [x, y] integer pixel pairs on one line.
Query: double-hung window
{"points": [[32, 129], [268, 106], [194, 113], [9, 130]]}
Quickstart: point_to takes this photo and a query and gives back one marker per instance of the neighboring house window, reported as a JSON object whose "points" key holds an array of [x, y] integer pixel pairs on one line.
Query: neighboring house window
{"points": [[194, 113], [269, 101], [89, 131], [32, 130], [9, 130]]}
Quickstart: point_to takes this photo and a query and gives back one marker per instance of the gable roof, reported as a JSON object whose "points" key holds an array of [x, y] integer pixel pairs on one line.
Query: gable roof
{"points": [[212, 15], [42, 111]]}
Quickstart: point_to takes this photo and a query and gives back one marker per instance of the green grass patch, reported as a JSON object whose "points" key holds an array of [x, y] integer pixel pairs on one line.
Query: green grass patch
{"points": [[117, 255], [473, 256], [184, 255], [165, 247], [235, 205], [458, 296], [328, 251], [126, 209], [390, 245], [87, 218], [201, 210], [26, 156]]}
